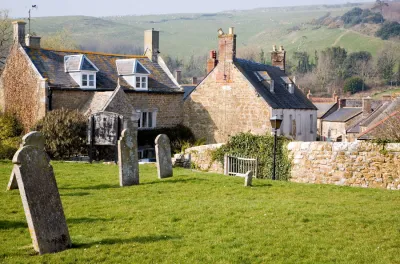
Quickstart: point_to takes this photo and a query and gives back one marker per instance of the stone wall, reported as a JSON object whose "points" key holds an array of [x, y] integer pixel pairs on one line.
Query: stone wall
{"points": [[201, 158], [360, 164]]}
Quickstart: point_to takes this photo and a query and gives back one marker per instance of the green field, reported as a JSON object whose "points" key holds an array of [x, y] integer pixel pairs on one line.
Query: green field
{"points": [[186, 34], [206, 218]]}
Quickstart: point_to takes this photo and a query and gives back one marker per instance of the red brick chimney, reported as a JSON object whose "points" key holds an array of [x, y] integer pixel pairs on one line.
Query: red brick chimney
{"points": [[278, 57], [212, 61]]}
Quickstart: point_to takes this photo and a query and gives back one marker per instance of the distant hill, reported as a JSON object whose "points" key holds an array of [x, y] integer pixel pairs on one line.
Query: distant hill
{"points": [[186, 34]]}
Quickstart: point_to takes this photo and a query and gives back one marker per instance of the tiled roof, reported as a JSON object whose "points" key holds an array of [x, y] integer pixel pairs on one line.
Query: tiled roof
{"points": [[130, 66], [369, 133], [323, 108], [77, 63], [374, 115], [50, 64], [281, 98], [343, 114]]}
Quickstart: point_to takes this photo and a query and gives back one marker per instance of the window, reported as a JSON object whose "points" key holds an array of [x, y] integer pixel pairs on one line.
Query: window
{"points": [[299, 125], [88, 80], [141, 82], [147, 120], [311, 124]]}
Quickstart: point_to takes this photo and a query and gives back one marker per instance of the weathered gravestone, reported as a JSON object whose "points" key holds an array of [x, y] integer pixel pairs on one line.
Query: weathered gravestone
{"points": [[40, 197], [128, 159], [12, 184], [163, 156], [248, 178]]}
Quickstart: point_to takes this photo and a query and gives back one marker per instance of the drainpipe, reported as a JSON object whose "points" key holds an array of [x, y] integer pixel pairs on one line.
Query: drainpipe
{"points": [[50, 99]]}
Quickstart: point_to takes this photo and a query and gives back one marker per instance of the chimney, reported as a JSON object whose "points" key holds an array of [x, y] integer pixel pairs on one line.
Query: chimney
{"points": [[212, 61], [342, 103], [32, 41], [151, 44], [226, 46], [272, 86], [194, 80], [309, 95], [19, 32], [367, 106], [178, 76], [278, 57]]}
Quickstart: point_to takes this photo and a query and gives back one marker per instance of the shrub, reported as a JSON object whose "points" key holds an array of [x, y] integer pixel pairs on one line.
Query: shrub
{"points": [[353, 85], [64, 132], [260, 147], [179, 136], [8, 147], [10, 126], [388, 30]]}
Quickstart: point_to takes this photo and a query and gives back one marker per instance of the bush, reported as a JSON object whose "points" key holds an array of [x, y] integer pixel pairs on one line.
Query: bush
{"points": [[8, 147], [353, 85], [179, 136], [388, 30], [64, 132], [260, 147], [10, 126]]}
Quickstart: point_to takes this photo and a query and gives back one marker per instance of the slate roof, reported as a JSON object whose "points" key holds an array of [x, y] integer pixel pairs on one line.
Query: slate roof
{"points": [[369, 133], [188, 88], [130, 66], [77, 63], [323, 108], [343, 114], [50, 64], [280, 98]]}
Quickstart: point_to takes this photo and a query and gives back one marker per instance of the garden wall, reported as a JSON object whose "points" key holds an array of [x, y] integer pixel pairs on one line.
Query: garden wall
{"points": [[201, 158], [359, 164]]}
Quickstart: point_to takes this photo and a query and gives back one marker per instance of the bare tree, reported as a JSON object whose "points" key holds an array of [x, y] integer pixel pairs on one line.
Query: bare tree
{"points": [[5, 36], [389, 129], [61, 40]]}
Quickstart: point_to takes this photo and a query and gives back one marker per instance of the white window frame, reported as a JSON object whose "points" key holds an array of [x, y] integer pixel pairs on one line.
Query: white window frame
{"points": [[143, 122], [88, 75], [143, 82]]}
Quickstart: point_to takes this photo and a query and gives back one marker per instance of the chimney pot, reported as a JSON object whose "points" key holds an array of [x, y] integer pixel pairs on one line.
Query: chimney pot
{"points": [[231, 30], [278, 58], [194, 80]]}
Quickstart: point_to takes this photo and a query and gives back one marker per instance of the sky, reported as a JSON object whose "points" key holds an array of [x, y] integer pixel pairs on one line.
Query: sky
{"points": [[19, 8]]}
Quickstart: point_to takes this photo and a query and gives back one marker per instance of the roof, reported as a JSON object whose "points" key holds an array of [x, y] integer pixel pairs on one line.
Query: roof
{"points": [[188, 88], [322, 100], [74, 63], [387, 122], [374, 115], [50, 64], [323, 108], [343, 114], [281, 98]]}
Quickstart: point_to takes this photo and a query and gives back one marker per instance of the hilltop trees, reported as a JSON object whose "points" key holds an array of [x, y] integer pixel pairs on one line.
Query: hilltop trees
{"points": [[61, 40], [5, 36]]}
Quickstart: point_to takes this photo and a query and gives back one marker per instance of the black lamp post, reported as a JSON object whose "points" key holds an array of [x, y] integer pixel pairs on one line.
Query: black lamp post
{"points": [[275, 124]]}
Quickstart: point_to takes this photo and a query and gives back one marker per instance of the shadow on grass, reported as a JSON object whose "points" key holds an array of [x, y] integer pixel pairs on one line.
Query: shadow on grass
{"points": [[112, 241], [4, 224], [76, 194], [174, 181], [84, 220], [262, 185], [94, 187]]}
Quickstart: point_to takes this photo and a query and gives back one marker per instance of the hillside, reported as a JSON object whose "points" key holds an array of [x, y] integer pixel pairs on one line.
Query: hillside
{"points": [[186, 34]]}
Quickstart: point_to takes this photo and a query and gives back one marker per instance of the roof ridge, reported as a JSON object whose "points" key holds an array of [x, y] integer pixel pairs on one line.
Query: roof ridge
{"points": [[95, 52], [379, 123]]}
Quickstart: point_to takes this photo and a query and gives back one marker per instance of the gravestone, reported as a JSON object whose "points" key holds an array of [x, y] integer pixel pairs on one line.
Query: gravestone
{"points": [[248, 178], [128, 159], [40, 197], [163, 156], [12, 184]]}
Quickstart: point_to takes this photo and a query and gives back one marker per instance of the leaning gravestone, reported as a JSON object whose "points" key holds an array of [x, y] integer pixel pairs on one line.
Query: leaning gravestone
{"points": [[40, 197], [163, 156], [248, 178], [128, 159], [12, 184]]}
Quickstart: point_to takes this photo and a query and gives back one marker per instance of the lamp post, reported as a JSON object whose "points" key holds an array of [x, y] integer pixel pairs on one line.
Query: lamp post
{"points": [[275, 124]]}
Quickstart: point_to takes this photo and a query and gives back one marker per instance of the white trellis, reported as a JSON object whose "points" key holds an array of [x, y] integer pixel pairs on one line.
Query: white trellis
{"points": [[234, 165]]}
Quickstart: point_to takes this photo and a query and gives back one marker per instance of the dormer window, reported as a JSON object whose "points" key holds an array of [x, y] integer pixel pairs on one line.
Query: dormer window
{"points": [[134, 73], [288, 83], [82, 70]]}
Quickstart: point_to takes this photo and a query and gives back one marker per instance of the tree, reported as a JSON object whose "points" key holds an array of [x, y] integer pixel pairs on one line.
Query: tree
{"points": [[359, 64], [262, 57], [388, 30], [379, 4], [303, 62], [385, 64], [353, 85], [61, 40], [5, 36]]}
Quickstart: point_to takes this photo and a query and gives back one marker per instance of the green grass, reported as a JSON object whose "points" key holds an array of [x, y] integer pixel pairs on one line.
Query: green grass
{"points": [[206, 218], [387, 92]]}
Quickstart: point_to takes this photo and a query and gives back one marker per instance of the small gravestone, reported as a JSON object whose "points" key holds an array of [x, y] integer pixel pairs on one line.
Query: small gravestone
{"points": [[40, 197], [248, 178], [12, 184], [128, 159], [163, 156]]}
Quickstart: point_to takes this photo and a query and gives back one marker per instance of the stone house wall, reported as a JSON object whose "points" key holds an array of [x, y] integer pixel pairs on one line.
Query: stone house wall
{"points": [[216, 110], [360, 164], [22, 90]]}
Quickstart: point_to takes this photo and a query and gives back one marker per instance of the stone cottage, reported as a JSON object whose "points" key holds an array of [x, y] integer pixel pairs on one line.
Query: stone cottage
{"points": [[37, 80], [239, 95]]}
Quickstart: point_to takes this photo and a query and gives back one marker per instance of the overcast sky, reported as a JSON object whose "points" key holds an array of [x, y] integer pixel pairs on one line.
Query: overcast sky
{"points": [[19, 8]]}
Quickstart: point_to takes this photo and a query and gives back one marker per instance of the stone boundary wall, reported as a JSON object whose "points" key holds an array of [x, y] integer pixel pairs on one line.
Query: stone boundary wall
{"points": [[360, 164], [201, 158]]}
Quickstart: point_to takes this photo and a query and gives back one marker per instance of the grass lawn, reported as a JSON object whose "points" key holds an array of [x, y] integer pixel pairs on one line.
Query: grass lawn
{"points": [[206, 218]]}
